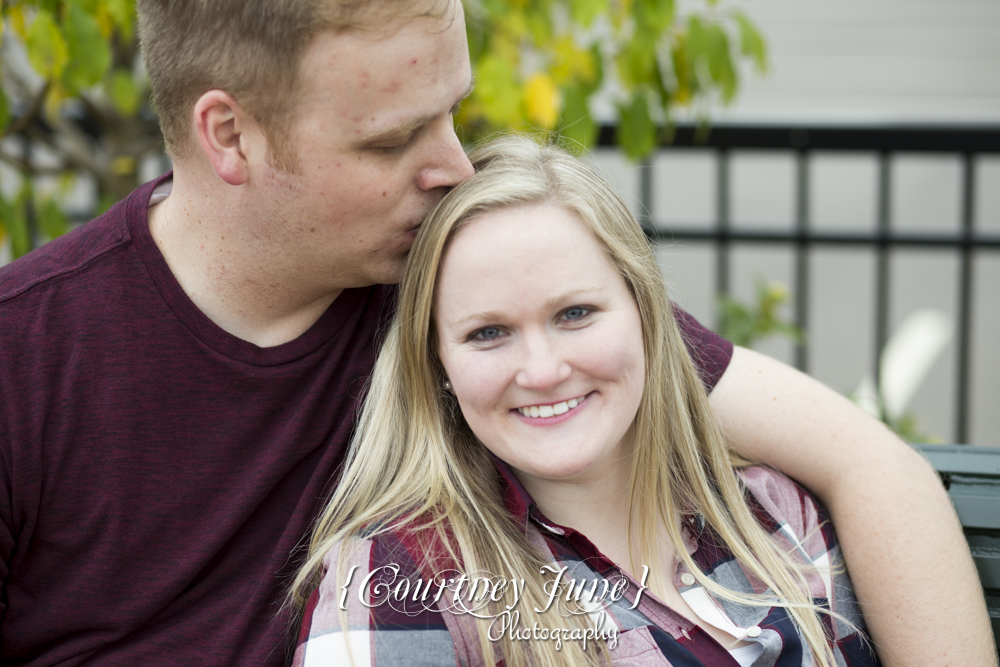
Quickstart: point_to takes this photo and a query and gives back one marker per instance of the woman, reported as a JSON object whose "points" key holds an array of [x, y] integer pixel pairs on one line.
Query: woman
{"points": [[537, 477]]}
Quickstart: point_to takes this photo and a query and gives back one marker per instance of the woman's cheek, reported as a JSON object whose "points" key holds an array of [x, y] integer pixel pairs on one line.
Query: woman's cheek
{"points": [[479, 379], [614, 354]]}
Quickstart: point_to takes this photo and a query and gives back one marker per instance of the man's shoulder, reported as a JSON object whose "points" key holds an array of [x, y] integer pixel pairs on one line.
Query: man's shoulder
{"points": [[70, 256]]}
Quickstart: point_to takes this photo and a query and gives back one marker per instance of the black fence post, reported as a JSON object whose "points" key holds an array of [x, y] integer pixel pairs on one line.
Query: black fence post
{"points": [[722, 230], [965, 299], [802, 257], [882, 285]]}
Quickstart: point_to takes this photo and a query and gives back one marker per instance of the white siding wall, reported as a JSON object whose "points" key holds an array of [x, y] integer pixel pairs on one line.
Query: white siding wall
{"points": [[876, 60]]}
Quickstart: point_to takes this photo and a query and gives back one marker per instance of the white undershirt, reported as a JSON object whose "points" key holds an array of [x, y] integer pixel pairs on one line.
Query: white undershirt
{"points": [[745, 655]]}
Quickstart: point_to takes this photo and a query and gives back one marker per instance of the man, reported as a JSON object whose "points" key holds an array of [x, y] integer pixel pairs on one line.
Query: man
{"points": [[179, 377]]}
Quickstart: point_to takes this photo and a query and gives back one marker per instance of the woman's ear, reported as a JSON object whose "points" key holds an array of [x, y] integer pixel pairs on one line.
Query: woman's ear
{"points": [[221, 126]]}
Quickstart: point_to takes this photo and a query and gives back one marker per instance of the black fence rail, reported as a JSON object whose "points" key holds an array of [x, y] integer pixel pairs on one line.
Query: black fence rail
{"points": [[965, 141]]}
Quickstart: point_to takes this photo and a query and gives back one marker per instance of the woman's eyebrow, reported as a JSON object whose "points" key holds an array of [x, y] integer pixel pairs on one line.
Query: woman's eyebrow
{"points": [[554, 302]]}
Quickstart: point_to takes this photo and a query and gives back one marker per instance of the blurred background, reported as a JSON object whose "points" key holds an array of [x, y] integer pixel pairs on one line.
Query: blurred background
{"points": [[881, 118], [822, 178]]}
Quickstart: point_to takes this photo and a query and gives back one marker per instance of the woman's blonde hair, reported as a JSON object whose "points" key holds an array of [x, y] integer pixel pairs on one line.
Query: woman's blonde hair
{"points": [[415, 465]]}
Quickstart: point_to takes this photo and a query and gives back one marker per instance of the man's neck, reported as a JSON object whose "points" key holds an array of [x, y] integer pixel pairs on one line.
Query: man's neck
{"points": [[200, 233]]}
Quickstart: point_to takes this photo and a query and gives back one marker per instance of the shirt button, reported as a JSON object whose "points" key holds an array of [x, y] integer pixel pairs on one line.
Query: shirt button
{"points": [[753, 631], [687, 579]]}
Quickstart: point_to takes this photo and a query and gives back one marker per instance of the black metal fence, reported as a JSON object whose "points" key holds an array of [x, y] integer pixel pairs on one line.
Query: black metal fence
{"points": [[965, 141]]}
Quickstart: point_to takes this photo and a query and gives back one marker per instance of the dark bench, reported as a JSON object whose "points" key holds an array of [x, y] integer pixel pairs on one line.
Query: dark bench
{"points": [[972, 476]]}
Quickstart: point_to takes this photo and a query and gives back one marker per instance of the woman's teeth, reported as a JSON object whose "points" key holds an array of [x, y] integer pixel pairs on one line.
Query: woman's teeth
{"points": [[550, 410]]}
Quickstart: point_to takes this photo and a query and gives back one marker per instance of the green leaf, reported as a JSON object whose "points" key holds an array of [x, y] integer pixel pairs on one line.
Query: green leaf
{"points": [[13, 221], [697, 41], [90, 53], [47, 49], [539, 25], [752, 43], [598, 57], [123, 93], [123, 14], [720, 63], [635, 66], [4, 111], [495, 7], [744, 325], [636, 131], [583, 12], [51, 220], [497, 89], [736, 322], [683, 71], [576, 124], [654, 15], [665, 96], [89, 6]]}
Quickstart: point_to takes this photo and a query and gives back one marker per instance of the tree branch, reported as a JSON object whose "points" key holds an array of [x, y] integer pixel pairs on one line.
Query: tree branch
{"points": [[21, 122]]}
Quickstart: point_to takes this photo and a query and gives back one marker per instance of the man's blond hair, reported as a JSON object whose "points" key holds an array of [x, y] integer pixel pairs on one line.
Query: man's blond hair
{"points": [[251, 49]]}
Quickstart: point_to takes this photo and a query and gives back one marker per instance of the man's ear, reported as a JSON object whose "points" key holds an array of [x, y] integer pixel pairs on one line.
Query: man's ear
{"points": [[221, 126]]}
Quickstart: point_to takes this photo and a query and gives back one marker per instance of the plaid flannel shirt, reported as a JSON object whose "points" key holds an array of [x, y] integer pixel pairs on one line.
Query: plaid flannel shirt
{"points": [[383, 631]]}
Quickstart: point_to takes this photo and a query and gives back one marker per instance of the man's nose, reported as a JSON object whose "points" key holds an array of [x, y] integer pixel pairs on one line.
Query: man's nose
{"points": [[542, 368], [447, 165]]}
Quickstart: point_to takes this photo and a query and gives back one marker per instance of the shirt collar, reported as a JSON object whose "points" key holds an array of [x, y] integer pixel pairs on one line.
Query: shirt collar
{"points": [[523, 508], [516, 498]]}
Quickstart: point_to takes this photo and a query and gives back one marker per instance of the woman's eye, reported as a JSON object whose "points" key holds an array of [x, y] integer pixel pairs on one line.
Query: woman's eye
{"points": [[575, 313]]}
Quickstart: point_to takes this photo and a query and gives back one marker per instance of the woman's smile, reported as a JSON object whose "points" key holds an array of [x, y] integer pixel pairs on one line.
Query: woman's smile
{"points": [[546, 414]]}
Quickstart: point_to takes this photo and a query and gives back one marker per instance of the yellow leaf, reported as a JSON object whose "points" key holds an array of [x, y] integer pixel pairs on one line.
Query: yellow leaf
{"points": [[514, 23], [47, 50], [572, 64], [105, 21], [123, 165], [623, 10], [507, 49], [17, 21], [54, 98], [542, 100]]}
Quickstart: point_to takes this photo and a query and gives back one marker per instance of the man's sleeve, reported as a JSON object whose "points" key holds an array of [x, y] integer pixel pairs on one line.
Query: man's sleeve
{"points": [[710, 352], [7, 535]]}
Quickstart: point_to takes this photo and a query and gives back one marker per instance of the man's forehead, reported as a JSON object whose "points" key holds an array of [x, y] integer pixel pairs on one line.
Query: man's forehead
{"points": [[333, 49], [390, 84], [381, 19]]}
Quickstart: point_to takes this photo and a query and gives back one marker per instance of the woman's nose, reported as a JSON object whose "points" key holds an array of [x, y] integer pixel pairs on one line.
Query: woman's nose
{"points": [[542, 368]]}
